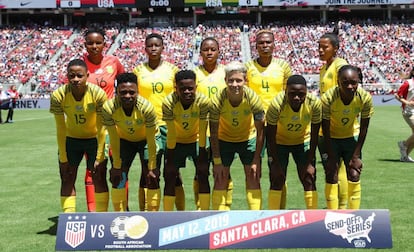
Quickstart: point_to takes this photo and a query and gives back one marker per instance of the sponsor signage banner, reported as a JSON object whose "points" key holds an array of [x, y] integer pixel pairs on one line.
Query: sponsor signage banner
{"points": [[211, 3], [27, 4], [29, 104], [95, 3], [224, 230], [333, 2]]}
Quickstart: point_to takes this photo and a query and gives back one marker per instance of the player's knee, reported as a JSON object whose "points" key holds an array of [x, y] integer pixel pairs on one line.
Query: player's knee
{"points": [[170, 176], [202, 174], [67, 174], [331, 177], [354, 175], [277, 180], [178, 180], [308, 181]]}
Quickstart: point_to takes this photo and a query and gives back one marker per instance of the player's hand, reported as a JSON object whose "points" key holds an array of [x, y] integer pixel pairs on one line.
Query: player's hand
{"points": [[115, 177], [356, 164], [153, 178], [219, 173], [256, 168]]}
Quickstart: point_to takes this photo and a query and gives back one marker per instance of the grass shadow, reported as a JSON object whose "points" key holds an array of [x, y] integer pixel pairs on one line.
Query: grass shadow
{"points": [[390, 160], [52, 229]]}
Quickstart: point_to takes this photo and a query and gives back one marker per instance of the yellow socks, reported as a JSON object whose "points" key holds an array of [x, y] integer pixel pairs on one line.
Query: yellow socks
{"points": [[119, 199], [274, 198], [195, 190], [219, 200], [142, 192], [153, 199], [229, 197], [283, 199], [331, 195], [254, 199], [168, 202], [204, 199], [342, 187], [311, 199], [354, 192], [101, 200], [68, 204], [179, 198]]}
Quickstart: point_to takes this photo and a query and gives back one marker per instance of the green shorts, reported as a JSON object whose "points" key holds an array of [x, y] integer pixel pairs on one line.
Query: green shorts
{"points": [[76, 148], [182, 151], [299, 154], [129, 150], [344, 148], [245, 150]]}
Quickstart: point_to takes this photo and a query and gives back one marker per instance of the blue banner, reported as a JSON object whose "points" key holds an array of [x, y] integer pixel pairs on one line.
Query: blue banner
{"points": [[224, 229]]}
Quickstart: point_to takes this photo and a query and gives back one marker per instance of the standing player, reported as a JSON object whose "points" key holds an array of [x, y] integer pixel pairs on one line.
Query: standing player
{"points": [[210, 80], [293, 121], [14, 96], [328, 49], [342, 106], [405, 95], [132, 126], [185, 111], [156, 81], [236, 126], [267, 76], [102, 71], [77, 107]]}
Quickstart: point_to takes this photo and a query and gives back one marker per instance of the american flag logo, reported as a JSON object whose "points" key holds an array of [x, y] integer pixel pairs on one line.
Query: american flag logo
{"points": [[75, 233]]}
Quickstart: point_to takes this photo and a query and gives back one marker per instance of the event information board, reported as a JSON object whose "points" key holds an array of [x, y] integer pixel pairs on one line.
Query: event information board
{"points": [[224, 229]]}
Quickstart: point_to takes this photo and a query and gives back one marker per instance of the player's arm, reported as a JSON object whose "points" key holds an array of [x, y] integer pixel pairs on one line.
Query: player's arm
{"points": [[171, 142], [315, 128], [152, 147], [259, 125], [61, 137], [363, 130], [214, 141], [100, 135], [202, 139], [271, 130], [314, 136], [114, 140], [402, 93]]}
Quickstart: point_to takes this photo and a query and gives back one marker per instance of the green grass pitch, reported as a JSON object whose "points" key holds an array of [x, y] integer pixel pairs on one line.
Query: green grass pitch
{"points": [[30, 181]]}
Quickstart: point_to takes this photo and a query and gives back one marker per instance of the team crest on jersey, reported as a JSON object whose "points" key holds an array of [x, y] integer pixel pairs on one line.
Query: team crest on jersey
{"points": [[128, 122], [75, 232], [110, 69], [346, 111], [91, 106], [295, 118], [78, 108], [234, 112], [99, 71], [139, 121]]}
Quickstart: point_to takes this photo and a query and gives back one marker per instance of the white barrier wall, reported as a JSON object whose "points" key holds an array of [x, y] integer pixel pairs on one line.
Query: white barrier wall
{"points": [[33, 104], [45, 103]]}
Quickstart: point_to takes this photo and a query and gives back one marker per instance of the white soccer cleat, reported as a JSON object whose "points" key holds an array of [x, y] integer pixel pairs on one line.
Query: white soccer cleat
{"points": [[407, 159], [403, 150]]}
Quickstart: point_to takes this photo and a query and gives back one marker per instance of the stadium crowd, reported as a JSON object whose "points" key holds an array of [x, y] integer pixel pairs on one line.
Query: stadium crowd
{"points": [[38, 54]]}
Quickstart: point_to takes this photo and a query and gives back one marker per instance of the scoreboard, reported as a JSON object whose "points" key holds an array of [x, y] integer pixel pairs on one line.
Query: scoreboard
{"points": [[95, 3]]}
